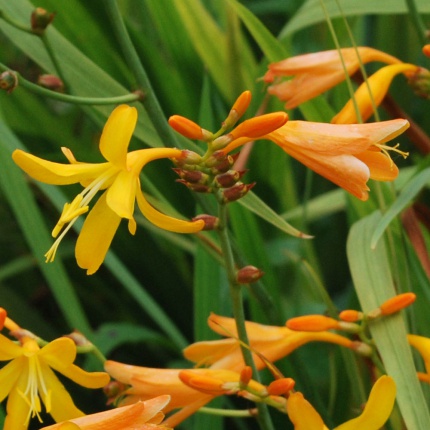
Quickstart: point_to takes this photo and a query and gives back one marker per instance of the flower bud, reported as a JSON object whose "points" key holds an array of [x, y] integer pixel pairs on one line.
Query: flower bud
{"points": [[260, 125], [113, 390], [362, 348], [245, 376], [351, 315], [40, 19], [236, 192], [78, 338], [239, 108], [219, 159], [8, 81], [3, 316], [222, 141], [420, 82], [51, 82], [426, 50], [211, 222], [312, 323], [397, 303], [188, 157], [228, 179], [198, 188], [248, 274], [193, 176], [281, 386], [188, 128]]}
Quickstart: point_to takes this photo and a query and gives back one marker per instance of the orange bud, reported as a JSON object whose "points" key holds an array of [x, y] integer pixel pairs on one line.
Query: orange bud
{"points": [[204, 383], [242, 103], [312, 323], [397, 303], [426, 50], [281, 386], [11, 325], [245, 376], [3, 316], [260, 125], [186, 127], [351, 315]]}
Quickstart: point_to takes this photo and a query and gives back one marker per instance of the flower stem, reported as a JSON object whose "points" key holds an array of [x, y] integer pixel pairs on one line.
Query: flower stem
{"points": [[149, 99], [238, 309], [420, 27]]}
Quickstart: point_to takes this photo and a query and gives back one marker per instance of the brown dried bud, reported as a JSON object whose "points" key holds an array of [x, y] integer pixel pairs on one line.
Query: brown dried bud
{"points": [[236, 192], [192, 176], [188, 157], [228, 179], [51, 82], [211, 222], [40, 19], [248, 274], [8, 81], [198, 188], [78, 338]]}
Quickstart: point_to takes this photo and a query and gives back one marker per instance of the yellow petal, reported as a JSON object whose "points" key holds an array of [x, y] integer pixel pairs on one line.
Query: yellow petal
{"points": [[122, 193], [9, 375], [86, 379], [164, 221], [422, 345], [378, 83], [17, 412], [378, 407], [57, 173], [59, 353], [96, 236], [302, 414], [8, 349], [116, 135]]}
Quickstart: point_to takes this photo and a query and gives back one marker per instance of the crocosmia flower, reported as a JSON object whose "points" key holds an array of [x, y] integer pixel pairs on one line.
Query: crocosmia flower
{"points": [[118, 176], [28, 379]]}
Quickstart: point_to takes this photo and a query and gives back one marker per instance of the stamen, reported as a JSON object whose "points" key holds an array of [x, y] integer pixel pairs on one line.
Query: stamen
{"points": [[70, 211], [385, 150]]}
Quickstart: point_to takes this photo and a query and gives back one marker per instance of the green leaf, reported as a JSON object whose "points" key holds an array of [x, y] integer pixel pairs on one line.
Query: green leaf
{"points": [[372, 279], [408, 193]]}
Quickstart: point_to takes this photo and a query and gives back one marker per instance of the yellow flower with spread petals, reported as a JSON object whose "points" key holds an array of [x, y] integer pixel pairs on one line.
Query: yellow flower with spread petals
{"points": [[119, 176], [376, 412], [272, 342], [317, 72], [141, 415], [348, 155], [378, 83], [29, 379]]}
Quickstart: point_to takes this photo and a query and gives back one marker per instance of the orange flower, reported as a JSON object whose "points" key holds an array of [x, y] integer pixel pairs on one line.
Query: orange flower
{"points": [[318, 72], [348, 155], [141, 415], [272, 342]]}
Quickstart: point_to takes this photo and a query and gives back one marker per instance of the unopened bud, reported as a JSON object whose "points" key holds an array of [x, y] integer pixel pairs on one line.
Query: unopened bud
{"points": [[78, 338], [222, 141], [40, 19], [188, 128], [220, 161], [113, 390], [8, 81], [198, 188], [239, 108], [420, 82], [312, 323], [397, 303], [236, 192], [426, 50], [281, 386], [203, 383], [351, 315], [245, 376], [211, 222], [3, 316], [193, 176], [362, 348], [260, 125], [188, 157], [51, 82], [228, 179], [248, 274]]}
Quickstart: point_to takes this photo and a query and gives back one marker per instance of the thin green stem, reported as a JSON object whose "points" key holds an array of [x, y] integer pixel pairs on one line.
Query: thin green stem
{"points": [[36, 89], [52, 56], [422, 31], [238, 309], [149, 100], [226, 412]]}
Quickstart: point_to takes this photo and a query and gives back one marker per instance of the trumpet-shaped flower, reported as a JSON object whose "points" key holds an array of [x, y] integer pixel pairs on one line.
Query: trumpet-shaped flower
{"points": [[376, 412], [270, 342], [366, 100], [28, 379], [141, 415], [318, 72], [118, 176], [348, 155]]}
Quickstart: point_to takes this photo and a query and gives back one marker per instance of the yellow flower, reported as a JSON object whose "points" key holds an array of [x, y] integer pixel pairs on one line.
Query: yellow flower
{"points": [[27, 379], [348, 155], [142, 415], [318, 72], [378, 83], [119, 176], [376, 412], [272, 342]]}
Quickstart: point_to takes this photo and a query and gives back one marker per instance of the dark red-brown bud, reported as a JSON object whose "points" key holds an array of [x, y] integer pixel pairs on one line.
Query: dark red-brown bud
{"points": [[211, 222], [236, 192], [51, 82], [198, 188], [220, 162], [248, 274], [40, 19], [8, 81], [192, 176], [228, 179]]}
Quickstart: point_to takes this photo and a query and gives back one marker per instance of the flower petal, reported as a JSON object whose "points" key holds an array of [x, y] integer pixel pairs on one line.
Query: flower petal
{"points": [[17, 412], [164, 221], [116, 135], [59, 353], [9, 375], [96, 236], [57, 173], [302, 414], [122, 193], [380, 166], [378, 407], [8, 349]]}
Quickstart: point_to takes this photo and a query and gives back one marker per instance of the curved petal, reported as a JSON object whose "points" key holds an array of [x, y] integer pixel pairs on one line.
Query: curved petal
{"points": [[302, 414], [57, 173], [59, 353], [9, 376], [122, 193], [18, 411], [381, 167], [422, 345], [8, 349], [96, 236], [378, 408], [116, 135], [164, 221], [59, 403], [85, 379]]}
